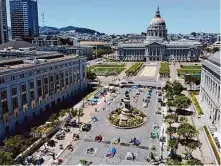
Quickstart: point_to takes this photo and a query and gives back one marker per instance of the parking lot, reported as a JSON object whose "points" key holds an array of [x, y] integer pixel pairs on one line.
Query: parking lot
{"points": [[102, 127]]}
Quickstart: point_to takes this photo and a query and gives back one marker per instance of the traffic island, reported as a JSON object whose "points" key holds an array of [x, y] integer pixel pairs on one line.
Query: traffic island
{"points": [[127, 118]]}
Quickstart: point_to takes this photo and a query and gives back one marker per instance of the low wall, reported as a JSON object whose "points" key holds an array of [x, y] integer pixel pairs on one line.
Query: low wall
{"points": [[118, 127]]}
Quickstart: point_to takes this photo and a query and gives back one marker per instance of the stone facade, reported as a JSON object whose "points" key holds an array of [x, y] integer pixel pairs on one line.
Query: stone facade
{"points": [[210, 86], [27, 90], [157, 48]]}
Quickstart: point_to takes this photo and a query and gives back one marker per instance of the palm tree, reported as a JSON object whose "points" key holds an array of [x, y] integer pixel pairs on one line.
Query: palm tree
{"points": [[77, 112]]}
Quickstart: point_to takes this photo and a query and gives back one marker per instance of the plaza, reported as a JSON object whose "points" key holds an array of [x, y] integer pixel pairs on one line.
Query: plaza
{"points": [[108, 132], [148, 71]]}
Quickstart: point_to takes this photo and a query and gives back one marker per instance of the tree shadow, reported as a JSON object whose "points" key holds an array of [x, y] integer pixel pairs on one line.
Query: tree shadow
{"points": [[184, 142], [184, 112]]}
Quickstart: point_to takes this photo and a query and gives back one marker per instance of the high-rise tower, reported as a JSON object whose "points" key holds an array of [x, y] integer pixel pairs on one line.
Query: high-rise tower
{"points": [[3, 22], [24, 18]]}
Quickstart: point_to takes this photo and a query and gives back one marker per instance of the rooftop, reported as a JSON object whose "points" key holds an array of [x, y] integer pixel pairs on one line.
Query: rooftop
{"points": [[27, 63], [184, 42], [215, 58], [16, 44], [93, 43]]}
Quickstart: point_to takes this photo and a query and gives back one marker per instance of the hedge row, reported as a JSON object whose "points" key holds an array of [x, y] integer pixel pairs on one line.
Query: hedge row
{"points": [[110, 65], [212, 143], [196, 104], [188, 71], [191, 67], [164, 69], [134, 69]]}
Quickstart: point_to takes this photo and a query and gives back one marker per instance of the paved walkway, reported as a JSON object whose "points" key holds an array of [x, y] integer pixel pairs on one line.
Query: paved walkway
{"points": [[204, 152], [148, 71]]}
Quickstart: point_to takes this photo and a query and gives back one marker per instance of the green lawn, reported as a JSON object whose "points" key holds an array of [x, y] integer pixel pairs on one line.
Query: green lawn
{"points": [[110, 65], [191, 67], [102, 69], [188, 70], [108, 69]]}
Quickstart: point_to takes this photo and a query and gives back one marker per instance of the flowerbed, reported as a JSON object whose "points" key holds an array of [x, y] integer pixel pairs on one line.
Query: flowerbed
{"points": [[212, 143]]}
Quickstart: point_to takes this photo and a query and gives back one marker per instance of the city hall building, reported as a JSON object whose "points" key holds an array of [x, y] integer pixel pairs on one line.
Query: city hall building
{"points": [[210, 86], [156, 47], [31, 86]]}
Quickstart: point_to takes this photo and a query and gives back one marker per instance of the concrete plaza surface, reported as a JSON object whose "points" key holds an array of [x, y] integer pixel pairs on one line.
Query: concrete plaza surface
{"points": [[89, 111], [108, 132], [148, 71]]}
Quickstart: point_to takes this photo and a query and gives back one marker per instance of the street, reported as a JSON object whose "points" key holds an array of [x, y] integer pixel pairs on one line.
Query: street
{"points": [[108, 132]]}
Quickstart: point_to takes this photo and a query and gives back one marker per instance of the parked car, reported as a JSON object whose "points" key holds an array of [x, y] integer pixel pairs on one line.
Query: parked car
{"points": [[86, 127]]}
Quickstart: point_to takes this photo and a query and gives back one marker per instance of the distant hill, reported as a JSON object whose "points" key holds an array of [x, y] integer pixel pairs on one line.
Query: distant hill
{"points": [[47, 29]]}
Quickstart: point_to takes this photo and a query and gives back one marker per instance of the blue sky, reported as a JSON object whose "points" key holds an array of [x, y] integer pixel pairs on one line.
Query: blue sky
{"points": [[132, 16]]}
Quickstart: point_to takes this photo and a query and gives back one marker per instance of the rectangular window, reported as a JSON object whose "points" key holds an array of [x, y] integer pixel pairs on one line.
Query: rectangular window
{"points": [[4, 95], [15, 102], [23, 88], [14, 91], [5, 107]]}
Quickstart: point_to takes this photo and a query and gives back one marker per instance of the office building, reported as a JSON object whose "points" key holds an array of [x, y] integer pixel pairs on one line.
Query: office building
{"points": [[24, 18], [210, 86], [29, 87], [3, 22], [156, 47]]}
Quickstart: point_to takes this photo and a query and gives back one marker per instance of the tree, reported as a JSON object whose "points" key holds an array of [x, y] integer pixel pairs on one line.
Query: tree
{"points": [[15, 144], [6, 158], [36, 132], [168, 86], [187, 131], [63, 112], [90, 74], [193, 33], [171, 118], [73, 112], [177, 87], [77, 112], [173, 162], [173, 145], [171, 130], [54, 119], [194, 161], [169, 94], [182, 102], [191, 146], [170, 103], [215, 49], [189, 79], [183, 120]]}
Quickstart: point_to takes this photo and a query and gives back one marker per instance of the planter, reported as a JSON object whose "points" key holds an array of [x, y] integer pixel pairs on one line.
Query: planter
{"points": [[196, 105], [213, 145]]}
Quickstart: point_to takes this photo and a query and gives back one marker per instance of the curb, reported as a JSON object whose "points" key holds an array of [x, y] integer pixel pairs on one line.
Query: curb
{"points": [[118, 127]]}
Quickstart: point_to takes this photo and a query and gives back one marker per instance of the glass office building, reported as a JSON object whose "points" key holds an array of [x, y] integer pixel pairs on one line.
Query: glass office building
{"points": [[24, 18]]}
